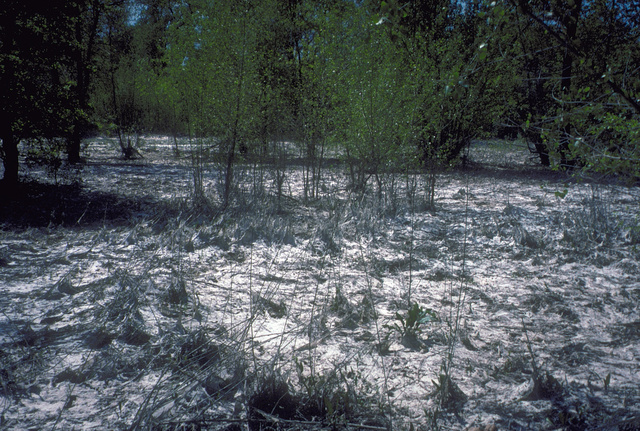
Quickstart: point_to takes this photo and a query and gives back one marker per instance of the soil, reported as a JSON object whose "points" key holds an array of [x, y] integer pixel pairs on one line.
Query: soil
{"points": [[128, 304]]}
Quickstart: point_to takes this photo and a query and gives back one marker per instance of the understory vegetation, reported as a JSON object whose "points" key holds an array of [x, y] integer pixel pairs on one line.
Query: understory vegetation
{"points": [[387, 86], [509, 301]]}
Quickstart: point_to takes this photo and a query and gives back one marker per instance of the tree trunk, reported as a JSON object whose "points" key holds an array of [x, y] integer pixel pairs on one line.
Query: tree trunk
{"points": [[228, 177], [10, 161], [570, 22], [543, 152], [231, 154], [73, 145], [82, 60]]}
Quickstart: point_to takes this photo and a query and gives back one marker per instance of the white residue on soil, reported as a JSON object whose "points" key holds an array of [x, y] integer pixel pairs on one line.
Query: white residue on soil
{"points": [[161, 315]]}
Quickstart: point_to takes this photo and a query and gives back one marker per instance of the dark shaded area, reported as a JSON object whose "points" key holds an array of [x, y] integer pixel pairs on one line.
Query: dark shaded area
{"points": [[36, 204], [272, 401], [498, 173]]}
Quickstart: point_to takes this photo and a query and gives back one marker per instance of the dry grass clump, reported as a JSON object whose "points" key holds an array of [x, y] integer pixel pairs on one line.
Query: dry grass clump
{"points": [[335, 400], [176, 294], [195, 348], [21, 365]]}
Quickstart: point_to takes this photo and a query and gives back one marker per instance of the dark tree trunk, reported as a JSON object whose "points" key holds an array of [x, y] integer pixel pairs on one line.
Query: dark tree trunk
{"points": [[10, 161], [570, 22], [73, 145], [228, 177], [543, 152], [231, 155], [82, 60]]}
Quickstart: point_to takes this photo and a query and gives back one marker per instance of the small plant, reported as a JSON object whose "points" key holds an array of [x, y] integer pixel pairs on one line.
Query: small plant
{"points": [[607, 382], [46, 153], [416, 317], [271, 402], [338, 397], [448, 394], [176, 293], [199, 350], [410, 324], [561, 194]]}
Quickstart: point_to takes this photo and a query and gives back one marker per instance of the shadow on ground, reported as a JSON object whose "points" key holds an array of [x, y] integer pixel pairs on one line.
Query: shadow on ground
{"points": [[36, 204]]}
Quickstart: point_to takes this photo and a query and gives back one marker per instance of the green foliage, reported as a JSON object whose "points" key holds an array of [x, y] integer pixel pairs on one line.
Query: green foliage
{"points": [[336, 396], [602, 142], [390, 85], [46, 153], [561, 194], [579, 103], [447, 393], [36, 81], [376, 106], [454, 91], [415, 318]]}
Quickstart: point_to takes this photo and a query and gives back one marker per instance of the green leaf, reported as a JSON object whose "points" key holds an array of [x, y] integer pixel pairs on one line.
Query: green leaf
{"points": [[561, 194], [329, 405], [482, 51]]}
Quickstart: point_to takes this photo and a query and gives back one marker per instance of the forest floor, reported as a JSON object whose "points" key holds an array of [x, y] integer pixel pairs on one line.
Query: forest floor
{"points": [[513, 303]]}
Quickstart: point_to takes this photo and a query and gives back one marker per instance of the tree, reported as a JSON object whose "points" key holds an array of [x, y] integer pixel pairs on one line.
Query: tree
{"points": [[120, 98], [595, 88], [455, 93], [36, 56], [320, 56], [86, 17], [127, 93], [150, 40], [212, 59], [375, 86]]}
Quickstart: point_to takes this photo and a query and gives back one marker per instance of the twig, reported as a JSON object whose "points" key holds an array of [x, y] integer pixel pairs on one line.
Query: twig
{"points": [[533, 358]]}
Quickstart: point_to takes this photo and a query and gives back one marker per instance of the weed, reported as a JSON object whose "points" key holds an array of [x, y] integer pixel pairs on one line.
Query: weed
{"points": [[134, 334], [592, 222], [275, 309], [126, 303], [176, 293], [411, 324], [340, 304], [343, 308], [272, 400], [338, 397], [98, 338], [197, 349], [448, 394], [543, 385]]}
